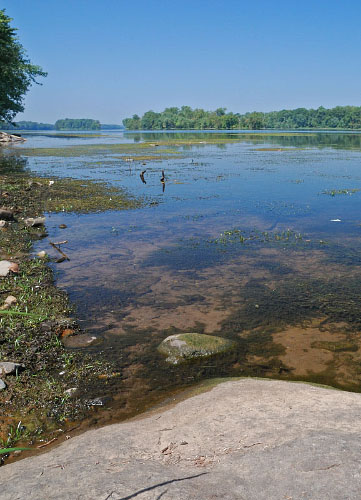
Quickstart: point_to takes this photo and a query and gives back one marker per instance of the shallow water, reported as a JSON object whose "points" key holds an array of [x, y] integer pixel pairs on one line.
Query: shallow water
{"points": [[257, 240]]}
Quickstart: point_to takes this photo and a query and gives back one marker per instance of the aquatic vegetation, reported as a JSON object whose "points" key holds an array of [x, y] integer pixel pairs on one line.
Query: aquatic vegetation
{"points": [[335, 192], [242, 249], [142, 149], [241, 236], [37, 194], [335, 346]]}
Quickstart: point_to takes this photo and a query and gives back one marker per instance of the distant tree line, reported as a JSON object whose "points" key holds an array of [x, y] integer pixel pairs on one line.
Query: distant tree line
{"points": [[26, 125], [77, 124], [340, 117]]}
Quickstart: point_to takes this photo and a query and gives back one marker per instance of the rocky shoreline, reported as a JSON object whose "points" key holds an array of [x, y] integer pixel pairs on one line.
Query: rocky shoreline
{"points": [[6, 138]]}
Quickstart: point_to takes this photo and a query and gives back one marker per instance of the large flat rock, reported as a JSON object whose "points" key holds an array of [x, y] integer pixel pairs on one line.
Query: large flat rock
{"points": [[248, 439]]}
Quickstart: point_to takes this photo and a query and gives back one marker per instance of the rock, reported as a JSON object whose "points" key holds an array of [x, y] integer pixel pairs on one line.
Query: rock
{"points": [[6, 214], [67, 332], [6, 266], [82, 340], [4, 137], [14, 267], [34, 222], [2, 223], [71, 391], [185, 346], [63, 226], [247, 439], [42, 254], [10, 300], [2, 385], [8, 368], [34, 183]]}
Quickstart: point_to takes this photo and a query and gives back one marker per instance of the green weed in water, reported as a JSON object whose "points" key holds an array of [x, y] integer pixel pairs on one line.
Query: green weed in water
{"points": [[336, 192]]}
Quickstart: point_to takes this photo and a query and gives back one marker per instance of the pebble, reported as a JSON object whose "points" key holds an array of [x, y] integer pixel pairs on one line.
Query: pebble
{"points": [[8, 367], [33, 222], [6, 266], [10, 300], [2, 385], [14, 267], [67, 332]]}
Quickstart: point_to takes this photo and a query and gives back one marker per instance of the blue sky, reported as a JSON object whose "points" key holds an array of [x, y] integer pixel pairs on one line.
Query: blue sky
{"points": [[110, 59]]}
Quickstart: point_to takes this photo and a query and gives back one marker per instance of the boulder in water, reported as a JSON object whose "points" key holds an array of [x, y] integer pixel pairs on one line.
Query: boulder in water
{"points": [[186, 346]]}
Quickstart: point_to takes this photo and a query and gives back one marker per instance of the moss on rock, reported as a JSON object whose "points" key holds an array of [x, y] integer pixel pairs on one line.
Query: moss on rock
{"points": [[185, 346]]}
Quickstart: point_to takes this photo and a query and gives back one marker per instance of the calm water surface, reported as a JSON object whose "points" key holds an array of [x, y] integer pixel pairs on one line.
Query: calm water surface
{"points": [[257, 240]]}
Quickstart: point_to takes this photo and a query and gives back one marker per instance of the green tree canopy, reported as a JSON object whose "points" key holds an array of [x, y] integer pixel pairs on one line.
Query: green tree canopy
{"points": [[77, 124], [341, 117], [17, 73]]}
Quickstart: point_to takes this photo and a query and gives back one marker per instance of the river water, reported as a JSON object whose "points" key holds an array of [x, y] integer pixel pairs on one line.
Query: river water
{"points": [[256, 239]]}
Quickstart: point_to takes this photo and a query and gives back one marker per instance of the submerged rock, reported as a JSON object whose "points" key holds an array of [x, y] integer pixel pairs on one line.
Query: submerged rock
{"points": [[82, 340], [185, 346]]}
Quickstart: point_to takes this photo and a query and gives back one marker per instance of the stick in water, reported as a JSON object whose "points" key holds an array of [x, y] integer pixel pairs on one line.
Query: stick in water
{"points": [[60, 251]]}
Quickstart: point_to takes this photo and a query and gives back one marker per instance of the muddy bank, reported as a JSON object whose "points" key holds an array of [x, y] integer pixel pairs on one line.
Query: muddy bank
{"points": [[247, 439]]}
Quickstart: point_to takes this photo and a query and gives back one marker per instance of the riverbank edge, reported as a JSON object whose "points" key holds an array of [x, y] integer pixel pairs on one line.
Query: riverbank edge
{"points": [[46, 393]]}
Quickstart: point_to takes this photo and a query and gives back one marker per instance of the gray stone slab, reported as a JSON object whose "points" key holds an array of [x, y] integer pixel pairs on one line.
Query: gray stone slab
{"points": [[245, 440]]}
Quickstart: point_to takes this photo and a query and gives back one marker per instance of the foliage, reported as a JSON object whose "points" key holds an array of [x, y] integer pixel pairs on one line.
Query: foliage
{"points": [[26, 125], [183, 118], [17, 73], [77, 124], [29, 125], [342, 117]]}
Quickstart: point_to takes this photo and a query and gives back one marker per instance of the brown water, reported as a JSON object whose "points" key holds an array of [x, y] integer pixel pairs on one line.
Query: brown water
{"points": [[248, 240]]}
